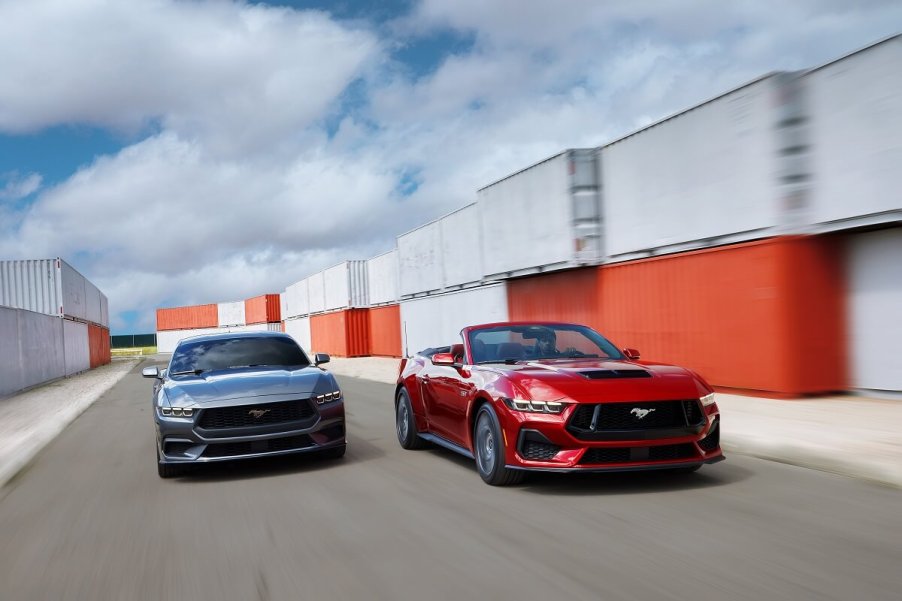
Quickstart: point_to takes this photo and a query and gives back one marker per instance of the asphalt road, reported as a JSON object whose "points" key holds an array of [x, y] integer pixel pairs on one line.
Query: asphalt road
{"points": [[90, 519]]}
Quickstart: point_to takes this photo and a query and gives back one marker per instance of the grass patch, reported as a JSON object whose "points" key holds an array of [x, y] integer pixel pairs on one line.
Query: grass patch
{"points": [[133, 352]]}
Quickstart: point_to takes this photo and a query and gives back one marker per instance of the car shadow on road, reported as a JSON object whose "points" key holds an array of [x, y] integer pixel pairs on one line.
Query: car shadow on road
{"points": [[359, 451], [633, 483]]}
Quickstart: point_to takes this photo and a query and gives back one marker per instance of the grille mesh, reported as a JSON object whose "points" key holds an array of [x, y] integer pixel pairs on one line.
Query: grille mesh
{"points": [[670, 452], [539, 451], [234, 449], [625, 416], [241, 417]]}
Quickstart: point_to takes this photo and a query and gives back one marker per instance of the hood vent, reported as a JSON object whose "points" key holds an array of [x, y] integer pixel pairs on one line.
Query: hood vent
{"points": [[614, 374]]}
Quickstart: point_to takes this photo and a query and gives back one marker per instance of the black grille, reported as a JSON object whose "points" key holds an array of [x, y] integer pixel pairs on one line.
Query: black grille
{"points": [[625, 416], [177, 448], [670, 452], [712, 440], [614, 374], [538, 451], [243, 416], [233, 449]]}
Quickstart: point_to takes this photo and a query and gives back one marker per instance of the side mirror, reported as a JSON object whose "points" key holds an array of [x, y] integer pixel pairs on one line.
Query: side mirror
{"points": [[151, 372], [320, 358], [443, 359], [631, 354]]}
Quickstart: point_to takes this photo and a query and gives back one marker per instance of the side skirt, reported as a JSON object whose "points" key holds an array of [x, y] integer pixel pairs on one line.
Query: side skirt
{"points": [[446, 444]]}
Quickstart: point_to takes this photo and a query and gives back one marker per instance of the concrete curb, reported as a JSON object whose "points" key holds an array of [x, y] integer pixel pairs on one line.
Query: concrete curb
{"points": [[13, 460]]}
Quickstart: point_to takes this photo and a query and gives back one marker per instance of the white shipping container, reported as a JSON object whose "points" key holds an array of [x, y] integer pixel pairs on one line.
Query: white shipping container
{"points": [[345, 286], [461, 245], [77, 348], [52, 287], [231, 314], [855, 106], [296, 299], [299, 329], [433, 321], [544, 217], [875, 319], [317, 292], [708, 173], [382, 278], [420, 260]]}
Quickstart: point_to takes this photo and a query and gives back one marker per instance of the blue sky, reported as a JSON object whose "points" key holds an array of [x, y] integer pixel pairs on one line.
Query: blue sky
{"points": [[190, 152]]}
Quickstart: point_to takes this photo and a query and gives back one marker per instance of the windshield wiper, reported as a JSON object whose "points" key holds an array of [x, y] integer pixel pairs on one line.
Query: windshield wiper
{"points": [[193, 372]]}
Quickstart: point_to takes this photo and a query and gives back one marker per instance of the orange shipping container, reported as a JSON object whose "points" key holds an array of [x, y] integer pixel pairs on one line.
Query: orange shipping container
{"points": [[99, 345], [765, 316], [570, 296], [342, 333], [263, 309], [385, 331], [187, 318]]}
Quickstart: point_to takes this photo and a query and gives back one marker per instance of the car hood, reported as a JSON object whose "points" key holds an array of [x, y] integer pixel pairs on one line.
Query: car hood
{"points": [[603, 380], [243, 383]]}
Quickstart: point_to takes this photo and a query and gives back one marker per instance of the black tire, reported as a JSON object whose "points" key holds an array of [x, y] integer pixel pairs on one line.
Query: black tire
{"points": [[334, 452], [167, 470], [489, 451], [405, 424]]}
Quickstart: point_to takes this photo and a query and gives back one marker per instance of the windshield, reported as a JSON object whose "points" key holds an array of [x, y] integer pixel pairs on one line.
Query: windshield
{"points": [[540, 341], [226, 353]]}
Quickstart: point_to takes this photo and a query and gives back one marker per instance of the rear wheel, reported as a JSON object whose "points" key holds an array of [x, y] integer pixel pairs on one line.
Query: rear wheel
{"points": [[405, 424], [488, 446]]}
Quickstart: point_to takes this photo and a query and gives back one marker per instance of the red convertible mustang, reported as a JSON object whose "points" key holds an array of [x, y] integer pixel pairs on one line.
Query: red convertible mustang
{"points": [[526, 396]]}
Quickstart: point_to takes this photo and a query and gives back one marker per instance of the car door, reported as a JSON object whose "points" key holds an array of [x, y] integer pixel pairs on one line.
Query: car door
{"points": [[451, 391]]}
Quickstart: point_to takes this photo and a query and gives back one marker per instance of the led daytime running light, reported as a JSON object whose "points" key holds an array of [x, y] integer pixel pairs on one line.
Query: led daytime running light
{"points": [[329, 396], [177, 411], [535, 406], [707, 400]]}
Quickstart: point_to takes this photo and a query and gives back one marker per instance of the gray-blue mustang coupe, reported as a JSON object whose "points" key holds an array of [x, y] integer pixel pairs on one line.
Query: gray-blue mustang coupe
{"points": [[241, 395]]}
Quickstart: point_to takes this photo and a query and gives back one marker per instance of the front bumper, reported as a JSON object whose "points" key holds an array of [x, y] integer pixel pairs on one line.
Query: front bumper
{"points": [[181, 440], [541, 442]]}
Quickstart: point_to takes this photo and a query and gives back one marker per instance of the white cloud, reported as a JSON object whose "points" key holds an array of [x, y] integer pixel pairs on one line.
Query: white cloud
{"points": [[16, 186], [239, 190]]}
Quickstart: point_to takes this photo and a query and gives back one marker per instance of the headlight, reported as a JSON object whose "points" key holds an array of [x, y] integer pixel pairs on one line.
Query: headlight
{"points": [[707, 400], [177, 411], [534, 406], [329, 396]]}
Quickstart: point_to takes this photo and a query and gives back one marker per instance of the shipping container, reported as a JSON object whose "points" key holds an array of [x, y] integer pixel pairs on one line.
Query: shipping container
{"points": [[296, 300], [385, 331], [420, 260], [547, 216], [461, 245], [231, 314], [299, 329], [382, 278], [345, 286], [77, 347], [766, 316], [717, 173], [99, 343], [855, 106], [432, 321], [187, 318], [167, 340], [262, 309], [875, 310], [42, 349], [316, 290], [52, 287], [567, 296], [341, 333]]}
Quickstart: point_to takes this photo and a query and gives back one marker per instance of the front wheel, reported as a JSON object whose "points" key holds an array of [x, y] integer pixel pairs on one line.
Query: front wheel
{"points": [[405, 424], [488, 446]]}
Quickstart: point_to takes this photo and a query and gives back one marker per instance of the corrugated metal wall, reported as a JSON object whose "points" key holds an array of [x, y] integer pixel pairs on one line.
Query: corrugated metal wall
{"points": [[231, 314], [432, 321], [77, 347], [187, 318], [875, 309], [299, 329], [32, 285], [316, 290], [461, 247], [296, 300], [265, 308], [765, 316], [385, 331], [420, 260], [342, 333], [99, 343], [570, 296], [167, 340], [382, 275]]}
